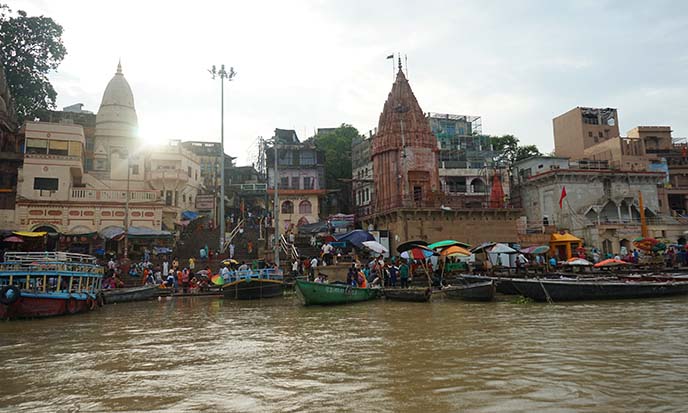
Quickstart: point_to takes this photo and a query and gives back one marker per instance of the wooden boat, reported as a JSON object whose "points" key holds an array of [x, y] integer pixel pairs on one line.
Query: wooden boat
{"points": [[572, 290], [124, 295], [328, 294], [503, 285], [43, 284], [253, 284], [479, 291], [419, 295]]}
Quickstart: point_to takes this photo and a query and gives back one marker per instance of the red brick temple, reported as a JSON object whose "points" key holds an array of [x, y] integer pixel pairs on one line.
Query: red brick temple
{"points": [[404, 152]]}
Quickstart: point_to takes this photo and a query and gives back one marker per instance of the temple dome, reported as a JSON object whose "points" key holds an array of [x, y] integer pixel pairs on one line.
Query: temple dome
{"points": [[117, 114]]}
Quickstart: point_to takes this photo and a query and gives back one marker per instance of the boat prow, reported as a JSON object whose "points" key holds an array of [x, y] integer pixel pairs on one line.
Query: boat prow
{"points": [[313, 293]]}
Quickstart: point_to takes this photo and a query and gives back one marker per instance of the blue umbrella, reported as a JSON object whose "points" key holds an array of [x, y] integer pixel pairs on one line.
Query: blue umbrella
{"points": [[356, 237]]}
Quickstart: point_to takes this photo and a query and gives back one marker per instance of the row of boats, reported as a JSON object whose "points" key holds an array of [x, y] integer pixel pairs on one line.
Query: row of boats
{"points": [[39, 284]]}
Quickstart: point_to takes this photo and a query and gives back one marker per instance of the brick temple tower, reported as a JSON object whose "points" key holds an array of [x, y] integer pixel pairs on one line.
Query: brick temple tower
{"points": [[404, 152]]}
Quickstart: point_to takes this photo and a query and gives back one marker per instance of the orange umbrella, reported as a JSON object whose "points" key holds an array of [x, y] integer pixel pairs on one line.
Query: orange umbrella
{"points": [[611, 262], [455, 250]]}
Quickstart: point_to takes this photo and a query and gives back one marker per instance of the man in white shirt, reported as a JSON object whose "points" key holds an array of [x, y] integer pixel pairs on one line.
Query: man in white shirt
{"points": [[314, 265], [327, 253], [224, 272], [243, 266]]}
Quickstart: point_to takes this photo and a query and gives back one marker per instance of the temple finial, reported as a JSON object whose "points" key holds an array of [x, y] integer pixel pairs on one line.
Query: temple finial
{"points": [[119, 66], [400, 62]]}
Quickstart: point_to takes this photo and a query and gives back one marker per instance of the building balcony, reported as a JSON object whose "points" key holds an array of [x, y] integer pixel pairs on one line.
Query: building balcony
{"points": [[95, 195], [167, 174]]}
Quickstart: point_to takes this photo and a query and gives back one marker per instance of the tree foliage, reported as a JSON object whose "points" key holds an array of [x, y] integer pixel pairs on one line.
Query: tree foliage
{"points": [[336, 146], [30, 47], [509, 151]]}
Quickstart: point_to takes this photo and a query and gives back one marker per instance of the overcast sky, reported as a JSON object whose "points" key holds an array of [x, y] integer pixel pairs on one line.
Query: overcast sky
{"points": [[310, 64]]}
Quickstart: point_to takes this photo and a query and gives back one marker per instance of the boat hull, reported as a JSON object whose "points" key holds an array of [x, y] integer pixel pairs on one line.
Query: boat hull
{"points": [[35, 307], [418, 295], [124, 295], [482, 291], [332, 294], [253, 289], [545, 290]]}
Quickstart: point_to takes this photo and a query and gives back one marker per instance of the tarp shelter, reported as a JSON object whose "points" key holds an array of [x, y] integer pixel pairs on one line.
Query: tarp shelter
{"points": [[502, 255], [563, 245], [29, 234], [143, 232], [111, 232], [189, 215], [315, 228]]}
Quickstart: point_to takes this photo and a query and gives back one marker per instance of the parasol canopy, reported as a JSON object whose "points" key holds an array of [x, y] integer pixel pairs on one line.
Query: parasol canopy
{"points": [[230, 261], [375, 247], [217, 279], [13, 239], [356, 237], [578, 262], [482, 247], [448, 243], [405, 246], [536, 249], [417, 253], [30, 234], [502, 249], [455, 250], [611, 262]]}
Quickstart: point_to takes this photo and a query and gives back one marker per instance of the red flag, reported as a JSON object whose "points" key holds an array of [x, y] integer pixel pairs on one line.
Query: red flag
{"points": [[561, 198]]}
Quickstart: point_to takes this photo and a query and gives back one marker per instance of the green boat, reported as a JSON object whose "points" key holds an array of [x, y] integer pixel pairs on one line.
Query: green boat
{"points": [[329, 294]]}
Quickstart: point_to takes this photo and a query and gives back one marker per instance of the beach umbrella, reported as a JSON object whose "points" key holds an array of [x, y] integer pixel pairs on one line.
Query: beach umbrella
{"points": [[482, 247], [13, 239], [455, 250], [217, 279], [538, 250], [501, 249], [448, 243], [230, 261], [405, 246], [417, 254], [578, 262], [375, 247], [611, 262]]}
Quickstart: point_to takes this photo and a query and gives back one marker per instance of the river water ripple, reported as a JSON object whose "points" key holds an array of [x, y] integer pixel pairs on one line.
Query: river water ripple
{"points": [[208, 354]]}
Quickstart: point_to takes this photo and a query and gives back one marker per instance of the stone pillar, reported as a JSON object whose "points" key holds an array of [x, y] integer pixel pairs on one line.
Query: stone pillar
{"points": [[630, 215], [618, 210]]}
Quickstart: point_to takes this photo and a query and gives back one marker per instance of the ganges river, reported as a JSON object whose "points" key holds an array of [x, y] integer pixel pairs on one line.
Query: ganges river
{"points": [[208, 354]]}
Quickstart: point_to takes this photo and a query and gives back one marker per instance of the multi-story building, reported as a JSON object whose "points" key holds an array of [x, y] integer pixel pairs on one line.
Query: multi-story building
{"points": [[363, 188], [300, 179], [581, 128], [11, 156], [593, 201], [176, 173], [467, 164]]}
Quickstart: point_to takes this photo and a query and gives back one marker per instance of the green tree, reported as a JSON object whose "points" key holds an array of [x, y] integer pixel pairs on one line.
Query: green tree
{"points": [[509, 151], [30, 47], [336, 145]]}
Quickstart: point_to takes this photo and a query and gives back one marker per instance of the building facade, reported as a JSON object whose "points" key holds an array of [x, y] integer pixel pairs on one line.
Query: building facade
{"points": [[404, 152], [299, 179], [581, 128], [363, 188], [11, 156]]}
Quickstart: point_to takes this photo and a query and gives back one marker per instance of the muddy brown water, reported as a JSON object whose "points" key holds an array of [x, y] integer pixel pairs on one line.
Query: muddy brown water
{"points": [[208, 354]]}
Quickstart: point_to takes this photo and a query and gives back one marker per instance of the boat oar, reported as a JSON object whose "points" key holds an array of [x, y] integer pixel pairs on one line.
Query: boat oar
{"points": [[549, 299]]}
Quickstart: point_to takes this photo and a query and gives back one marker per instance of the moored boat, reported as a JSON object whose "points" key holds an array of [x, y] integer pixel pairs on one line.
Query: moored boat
{"points": [[573, 290], [419, 295], [43, 284], [253, 284], [479, 291], [313, 293], [123, 295]]}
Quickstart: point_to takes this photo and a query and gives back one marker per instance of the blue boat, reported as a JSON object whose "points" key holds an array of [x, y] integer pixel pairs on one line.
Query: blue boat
{"points": [[43, 284], [253, 284]]}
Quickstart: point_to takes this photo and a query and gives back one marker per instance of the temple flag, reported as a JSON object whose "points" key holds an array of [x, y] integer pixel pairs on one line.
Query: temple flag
{"points": [[390, 56], [561, 198]]}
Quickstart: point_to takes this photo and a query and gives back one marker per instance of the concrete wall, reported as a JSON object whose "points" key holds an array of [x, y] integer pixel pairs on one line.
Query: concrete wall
{"points": [[473, 227]]}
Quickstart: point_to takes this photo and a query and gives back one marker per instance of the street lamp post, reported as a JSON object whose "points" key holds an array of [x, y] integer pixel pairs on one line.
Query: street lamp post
{"points": [[222, 74], [126, 210]]}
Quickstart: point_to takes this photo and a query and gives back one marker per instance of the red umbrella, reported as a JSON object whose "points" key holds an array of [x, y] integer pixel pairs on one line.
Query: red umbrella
{"points": [[611, 262], [14, 239]]}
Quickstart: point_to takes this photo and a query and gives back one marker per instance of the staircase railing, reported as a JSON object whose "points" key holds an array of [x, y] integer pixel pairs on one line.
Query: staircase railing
{"points": [[232, 234], [289, 248]]}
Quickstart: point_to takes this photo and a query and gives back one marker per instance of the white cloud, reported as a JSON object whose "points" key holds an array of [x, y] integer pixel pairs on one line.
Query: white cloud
{"points": [[307, 64]]}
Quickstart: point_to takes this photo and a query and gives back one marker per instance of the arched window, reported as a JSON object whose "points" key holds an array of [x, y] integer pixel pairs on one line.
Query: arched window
{"points": [[478, 186], [305, 207], [287, 207]]}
